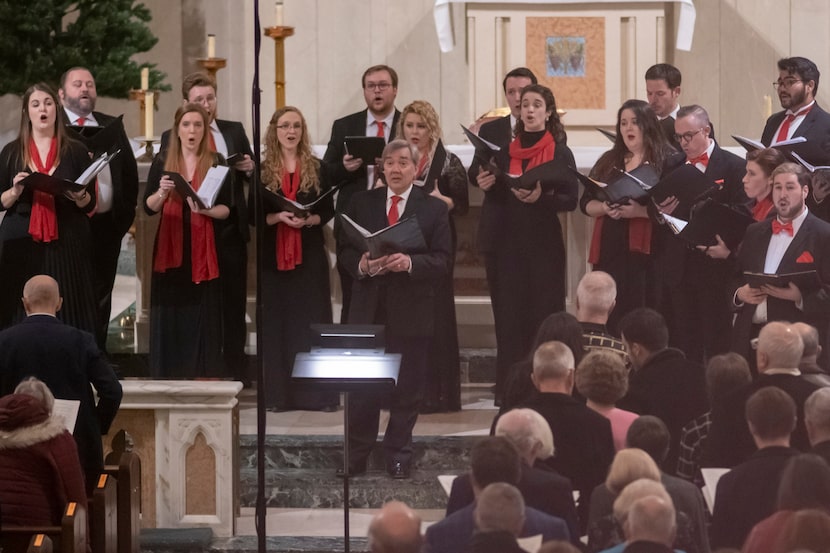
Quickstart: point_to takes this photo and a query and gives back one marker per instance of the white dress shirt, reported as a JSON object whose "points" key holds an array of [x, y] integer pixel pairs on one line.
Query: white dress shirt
{"points": [[103, 200]]}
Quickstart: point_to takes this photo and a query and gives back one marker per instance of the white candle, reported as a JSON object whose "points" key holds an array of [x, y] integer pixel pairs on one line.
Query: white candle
{"points": [[145, 78], [148, 115], [767, 106], [211, 46], [279, 14]]}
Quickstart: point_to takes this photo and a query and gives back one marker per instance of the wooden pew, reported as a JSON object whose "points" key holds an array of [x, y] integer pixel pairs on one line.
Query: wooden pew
{"points": [[40, 543], [103, 507], [70, 536], [125, 466]]}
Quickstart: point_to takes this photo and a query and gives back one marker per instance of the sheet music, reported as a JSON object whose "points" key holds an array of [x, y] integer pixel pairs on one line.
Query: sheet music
{"points": [[67, 410]]}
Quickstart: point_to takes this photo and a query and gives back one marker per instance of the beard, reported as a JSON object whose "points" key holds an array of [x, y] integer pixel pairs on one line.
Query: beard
{"points": [[796, 99], [80, 106]]}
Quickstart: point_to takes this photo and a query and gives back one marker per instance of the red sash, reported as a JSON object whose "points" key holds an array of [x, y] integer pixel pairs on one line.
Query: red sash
{"points": [[289, 239], [43, 223]]}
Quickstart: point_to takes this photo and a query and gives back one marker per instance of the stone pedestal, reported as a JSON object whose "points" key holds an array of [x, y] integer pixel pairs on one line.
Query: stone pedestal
{"points": [[186, 435]]}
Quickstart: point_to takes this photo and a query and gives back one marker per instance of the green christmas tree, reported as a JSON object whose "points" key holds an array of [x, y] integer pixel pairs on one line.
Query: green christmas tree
{"points": [[43, 38]]}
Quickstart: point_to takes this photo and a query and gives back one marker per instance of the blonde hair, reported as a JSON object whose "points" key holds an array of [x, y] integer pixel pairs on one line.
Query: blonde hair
{"points": [[629, 465], [273, 164], [427, 113]]}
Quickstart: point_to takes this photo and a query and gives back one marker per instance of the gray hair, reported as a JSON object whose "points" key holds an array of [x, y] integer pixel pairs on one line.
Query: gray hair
{"points": [[400, 144], [782, 345], [638, 489], [653, 519], [526, 428], [38, 389], [500, 506], [552, 361], [596, 293], [817, 408]]}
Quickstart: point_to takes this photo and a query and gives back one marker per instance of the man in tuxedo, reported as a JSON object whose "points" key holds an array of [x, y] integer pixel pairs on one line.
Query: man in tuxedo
{"points": [[696, 293], [749, 493], [542, 488], [68, 361], [794, 241], [662, 91], [490, 224], [396, 290], [817, 420], [228, 138], [117, 188], [380, 118], [395, 529]]}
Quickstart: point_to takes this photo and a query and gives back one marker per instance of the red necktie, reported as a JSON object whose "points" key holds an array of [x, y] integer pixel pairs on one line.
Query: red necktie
{"points": [[393, 215], [702, 158], [80, 122], [782, 227], [380, 129], [785, 127]]}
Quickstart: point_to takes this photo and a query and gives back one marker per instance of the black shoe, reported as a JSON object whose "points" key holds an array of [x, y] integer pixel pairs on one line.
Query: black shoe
{"points": [[353, 471], [398, 470]]}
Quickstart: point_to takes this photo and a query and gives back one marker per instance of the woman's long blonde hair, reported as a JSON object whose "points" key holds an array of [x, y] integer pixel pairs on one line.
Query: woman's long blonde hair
{"points": [[175, 159], [273, 164], [425, 111]]}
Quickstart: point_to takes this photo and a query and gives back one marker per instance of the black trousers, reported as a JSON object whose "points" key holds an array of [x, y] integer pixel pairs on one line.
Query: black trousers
{"points": [[233, 275], [106, 247]]}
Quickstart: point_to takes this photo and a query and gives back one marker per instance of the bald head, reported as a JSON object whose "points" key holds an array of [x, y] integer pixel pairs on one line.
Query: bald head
{"points": [[529, 432], [395, 529], [651, 519], [595, 297], [41, 295], [779, 347]]}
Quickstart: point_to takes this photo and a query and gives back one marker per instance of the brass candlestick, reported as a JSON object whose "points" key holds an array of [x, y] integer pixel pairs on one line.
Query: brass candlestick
{"points": [[149, 150], [279, 34], [212, 65]]}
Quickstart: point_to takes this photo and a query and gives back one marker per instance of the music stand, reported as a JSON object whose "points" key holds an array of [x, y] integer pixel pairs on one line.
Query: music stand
{"points": [[347, 370]]}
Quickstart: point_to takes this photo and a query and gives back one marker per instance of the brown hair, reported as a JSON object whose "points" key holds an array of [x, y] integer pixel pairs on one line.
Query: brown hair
{"points": [[602, 377], [25, 133], [272, 166], [553, 124], [194, 80], [175, 159], [374, 69]]}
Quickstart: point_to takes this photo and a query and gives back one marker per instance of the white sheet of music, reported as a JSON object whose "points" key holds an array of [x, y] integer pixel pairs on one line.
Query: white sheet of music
{"points": [[67, 410]]}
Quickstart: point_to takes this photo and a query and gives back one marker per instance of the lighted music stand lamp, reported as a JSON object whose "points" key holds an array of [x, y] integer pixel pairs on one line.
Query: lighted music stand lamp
{"points": [[346, 358]]}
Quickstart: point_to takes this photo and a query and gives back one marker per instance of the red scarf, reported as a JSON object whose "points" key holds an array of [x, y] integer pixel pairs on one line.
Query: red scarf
{"points": [[538, 154], [289, 239], [762, 208], [43, 223], [639, 237], [169, 249]]}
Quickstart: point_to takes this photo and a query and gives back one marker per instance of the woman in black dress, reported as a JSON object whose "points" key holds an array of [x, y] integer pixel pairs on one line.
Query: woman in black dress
{"points": [[622, 242], [441, 174], [295, 269], [185, 298], [41, 233]]}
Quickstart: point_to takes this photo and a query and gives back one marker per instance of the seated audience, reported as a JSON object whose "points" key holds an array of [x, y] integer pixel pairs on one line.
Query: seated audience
{"points": [[499, 518], [558, 546], [651, 526], [807, 530], [596, 296], [817, 421], [395, 529], [725, 373], [805, 484], [602, 379], [747, 494], [542, 488], [809, 367], [39, 467], [493, 459], [664, 383]]}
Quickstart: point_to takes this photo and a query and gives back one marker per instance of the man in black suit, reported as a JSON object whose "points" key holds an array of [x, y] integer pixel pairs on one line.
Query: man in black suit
{"points": [[662, 91], [664, 383], [584, 444], [749, 493], [117, 190], [794, 241], [68, 361], [542, 489], [228, 138], [817, 421], [380, 118], [491, 224], [696, 301], [396, 290]]}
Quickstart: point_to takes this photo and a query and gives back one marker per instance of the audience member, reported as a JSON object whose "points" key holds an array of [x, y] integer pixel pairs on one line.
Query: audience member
{"points": [[747, 494], [817, 422], [651, 526], [68, 362], [602, 379], [584, 442], [493, 459], [542, 489], [664, 382], [807, 530], [809, 367], [596, 296], [395, 529], [725, 374], [499, 519], [558, 546]]}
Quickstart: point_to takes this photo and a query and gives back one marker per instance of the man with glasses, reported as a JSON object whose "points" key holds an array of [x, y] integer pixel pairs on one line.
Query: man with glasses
{"points": [[380, 87], [696, 301]]}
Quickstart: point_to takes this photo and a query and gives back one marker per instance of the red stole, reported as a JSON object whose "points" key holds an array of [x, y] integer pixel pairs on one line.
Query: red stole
{"points": [[538, 154], [43, 223], [289, 239], [762, 208], [169, 249]]}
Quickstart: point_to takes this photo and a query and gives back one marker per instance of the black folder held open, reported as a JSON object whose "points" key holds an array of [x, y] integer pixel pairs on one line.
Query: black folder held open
{"points": [[405, 236]]}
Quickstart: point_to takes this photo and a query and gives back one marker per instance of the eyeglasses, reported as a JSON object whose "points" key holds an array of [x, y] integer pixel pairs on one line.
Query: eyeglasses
{"points": [[785, 83], [286, 126], [378, 86], [687, 136]]}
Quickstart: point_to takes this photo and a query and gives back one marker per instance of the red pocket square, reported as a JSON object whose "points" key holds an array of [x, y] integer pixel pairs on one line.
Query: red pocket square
{"points": [[805, 257]]}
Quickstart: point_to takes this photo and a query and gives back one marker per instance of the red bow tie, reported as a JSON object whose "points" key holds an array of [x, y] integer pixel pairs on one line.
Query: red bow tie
{"points": [[782, 227], [702, 158]]}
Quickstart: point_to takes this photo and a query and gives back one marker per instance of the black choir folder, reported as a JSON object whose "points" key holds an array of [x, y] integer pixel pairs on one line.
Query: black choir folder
{"points": [[709, 219], [805, 280], [98, 138], [367, 148], [205, 197], [58, 187], [484, 150], [686, 183], [276, 202], [629, 185], [403, 237]]}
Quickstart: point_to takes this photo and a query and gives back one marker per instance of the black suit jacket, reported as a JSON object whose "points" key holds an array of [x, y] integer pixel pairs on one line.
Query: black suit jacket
{"points": [[815, 128], [124, 178], [812, 237], [350, 125], [746, 495], [491, 220], [68, 361], [406, 298], [544, 490]]}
